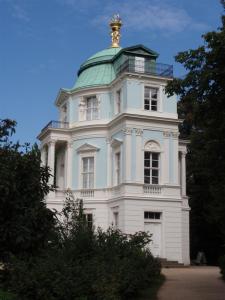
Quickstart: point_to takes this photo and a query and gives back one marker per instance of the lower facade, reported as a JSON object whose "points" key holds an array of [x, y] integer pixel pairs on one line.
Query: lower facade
{"points": [[165, 218]]}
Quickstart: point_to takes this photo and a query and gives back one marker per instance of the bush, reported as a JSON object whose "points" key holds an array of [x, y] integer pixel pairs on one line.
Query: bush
{"points": [[85, 264], [222, 266]]}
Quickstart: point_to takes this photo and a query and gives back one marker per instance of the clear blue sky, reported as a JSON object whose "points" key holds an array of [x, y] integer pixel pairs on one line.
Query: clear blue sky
{"points": [[43, 43]]}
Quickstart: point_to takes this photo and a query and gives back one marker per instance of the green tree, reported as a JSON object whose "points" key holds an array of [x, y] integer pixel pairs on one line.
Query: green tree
{"points": [[25, 222], [202, 106]]}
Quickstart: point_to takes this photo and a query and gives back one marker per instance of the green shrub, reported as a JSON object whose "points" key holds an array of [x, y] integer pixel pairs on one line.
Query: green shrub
{"points": [[84, 264], [222, 266]]}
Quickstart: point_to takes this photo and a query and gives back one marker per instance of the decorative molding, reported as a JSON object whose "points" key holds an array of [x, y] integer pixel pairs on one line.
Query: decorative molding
{"points": [[87, 148], [127, 131], [166, 133], [152, 146], [175, 134], [51, 142], [115, 143], [138, 131]]}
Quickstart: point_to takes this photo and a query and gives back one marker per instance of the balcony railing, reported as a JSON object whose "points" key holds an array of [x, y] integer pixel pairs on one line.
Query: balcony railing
{"points": [[56, 124], [145, 67]]}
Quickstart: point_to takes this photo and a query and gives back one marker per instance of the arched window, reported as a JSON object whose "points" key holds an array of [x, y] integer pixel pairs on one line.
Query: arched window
{"points": [[151, 163]]}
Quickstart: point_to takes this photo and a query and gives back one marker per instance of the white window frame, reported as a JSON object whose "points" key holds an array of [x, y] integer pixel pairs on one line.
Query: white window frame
{"points": [[152, 99], [116, 219], [139, 64], [152, 168], [83, 107], [118, 101], [88, 173], [80, 180]]}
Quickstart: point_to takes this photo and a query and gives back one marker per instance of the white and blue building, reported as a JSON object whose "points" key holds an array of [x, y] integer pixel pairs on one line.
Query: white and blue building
{"points": [[116, 145]]}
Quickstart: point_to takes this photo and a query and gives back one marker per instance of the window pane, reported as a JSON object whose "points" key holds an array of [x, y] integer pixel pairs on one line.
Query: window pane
{"points": [[147, 163], [155, 173], [147, 180], [85, 164], [155, 163], [154, 93], [147, 155], [155, 156], [85, 181], [147, 107], [147, 172], [155, 180], [91, 181], [91, 164]]}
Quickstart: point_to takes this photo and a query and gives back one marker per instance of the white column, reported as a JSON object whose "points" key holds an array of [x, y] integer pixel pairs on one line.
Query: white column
{"points": [[139, 156], [109, 163], [43, 155], [166, 159], [183, 173], [127, 147], [51, 159], [69, 165]]}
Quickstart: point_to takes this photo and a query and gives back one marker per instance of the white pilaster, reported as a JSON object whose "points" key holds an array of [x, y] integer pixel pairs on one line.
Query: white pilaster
{"points": [[175, 155], [166, 159], [69, 165], [183, 173], [139, 156], [109, 163], [51, 159], [127, 144]]}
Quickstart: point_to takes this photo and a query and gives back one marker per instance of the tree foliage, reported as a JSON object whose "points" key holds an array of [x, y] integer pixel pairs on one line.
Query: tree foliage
{"points": [[25, 222], [83, 263], [202, 106]]}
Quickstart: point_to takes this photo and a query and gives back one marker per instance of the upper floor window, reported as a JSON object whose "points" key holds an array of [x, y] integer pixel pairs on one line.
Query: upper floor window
{"points": [[64, 113], [151, 98], [118, 101], [92, 109], [151, 168], [88, 172]]}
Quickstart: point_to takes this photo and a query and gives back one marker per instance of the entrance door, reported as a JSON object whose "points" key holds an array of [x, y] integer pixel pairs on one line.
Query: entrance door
{"points": [[155, 244]]}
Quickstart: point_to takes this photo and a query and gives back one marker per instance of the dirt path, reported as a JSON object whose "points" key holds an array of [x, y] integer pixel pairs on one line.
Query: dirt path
{"points": [[194, 283]]}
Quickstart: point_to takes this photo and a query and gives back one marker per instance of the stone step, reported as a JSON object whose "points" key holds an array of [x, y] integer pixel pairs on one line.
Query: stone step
{"points": [[171, 263]]}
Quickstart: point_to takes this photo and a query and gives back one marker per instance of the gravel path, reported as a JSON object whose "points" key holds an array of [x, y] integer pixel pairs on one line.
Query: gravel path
{"points": [[194, 283]]}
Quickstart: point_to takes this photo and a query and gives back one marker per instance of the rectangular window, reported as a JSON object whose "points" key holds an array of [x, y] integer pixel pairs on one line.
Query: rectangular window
{"points": [[117, 156], [92, 111], [151, 168], [139, 64], [152, 215], [88, 172], [118, 101], [116, 219], [89, 219], [151, 98]]}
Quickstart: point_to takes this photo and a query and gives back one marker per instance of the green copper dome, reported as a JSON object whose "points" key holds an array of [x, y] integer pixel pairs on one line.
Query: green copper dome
{"points": [[97, 69]]}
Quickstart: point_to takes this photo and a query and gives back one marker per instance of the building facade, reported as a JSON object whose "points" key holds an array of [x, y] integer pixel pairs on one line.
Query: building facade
{"points": [[116, 146]]}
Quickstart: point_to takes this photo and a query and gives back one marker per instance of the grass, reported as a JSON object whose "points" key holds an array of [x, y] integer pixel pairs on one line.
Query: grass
{"points": [[151, 293]]}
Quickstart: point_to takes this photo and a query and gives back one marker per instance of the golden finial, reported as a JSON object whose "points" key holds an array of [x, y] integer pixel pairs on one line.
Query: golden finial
{"points": [[115, 24]]}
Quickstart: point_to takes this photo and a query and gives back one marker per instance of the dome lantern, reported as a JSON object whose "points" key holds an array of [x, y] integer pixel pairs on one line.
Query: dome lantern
{"points": [[115, 25]]}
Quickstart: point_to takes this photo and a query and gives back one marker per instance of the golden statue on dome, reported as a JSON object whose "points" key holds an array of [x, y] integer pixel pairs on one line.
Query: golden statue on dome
{"points": [[115, 24]]}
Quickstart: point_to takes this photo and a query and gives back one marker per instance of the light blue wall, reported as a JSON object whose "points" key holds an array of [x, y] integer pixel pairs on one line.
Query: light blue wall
{"points": [[74, 110], [101, 161], [170, 104], [152, 135], [105, 107], [134, 94]]}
